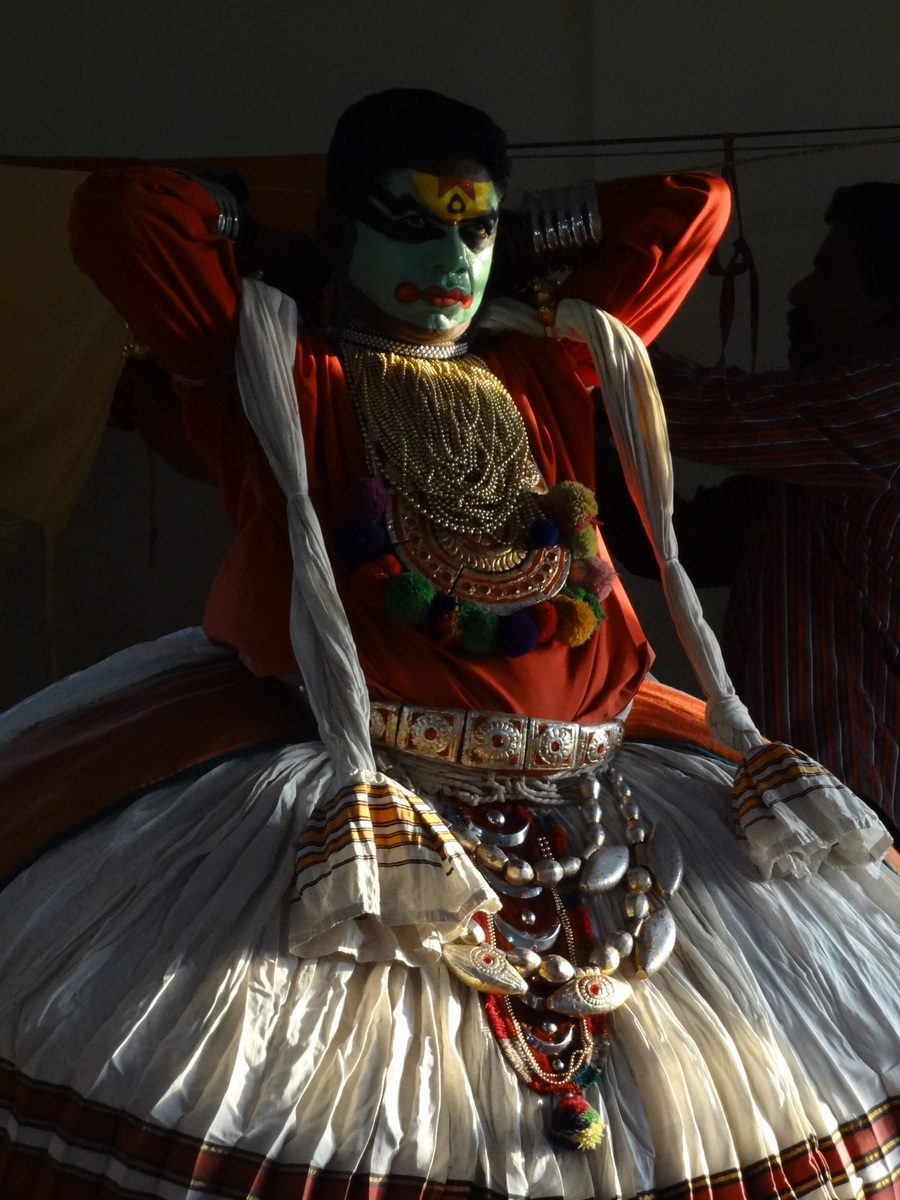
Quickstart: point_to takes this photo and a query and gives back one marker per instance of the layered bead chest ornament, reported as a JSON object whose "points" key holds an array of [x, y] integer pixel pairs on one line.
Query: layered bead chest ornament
{"points": [[455, 532], [549, 980]]}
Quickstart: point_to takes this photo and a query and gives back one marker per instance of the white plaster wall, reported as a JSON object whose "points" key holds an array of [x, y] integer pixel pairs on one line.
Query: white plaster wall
{"points": [[182, 77]]}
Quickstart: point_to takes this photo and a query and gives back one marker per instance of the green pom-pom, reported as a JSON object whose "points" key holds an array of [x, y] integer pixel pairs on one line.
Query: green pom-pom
{"points": [[580, 593], [582, 543], [408, 597], [586, 1074], [478, 628]]}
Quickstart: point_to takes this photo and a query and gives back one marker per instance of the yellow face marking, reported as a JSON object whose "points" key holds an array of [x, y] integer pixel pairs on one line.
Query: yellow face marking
{"points": [[454, 200]]}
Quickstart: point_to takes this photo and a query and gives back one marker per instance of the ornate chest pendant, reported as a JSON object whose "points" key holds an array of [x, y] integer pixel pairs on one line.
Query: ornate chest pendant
{"points": [[504, 575]]}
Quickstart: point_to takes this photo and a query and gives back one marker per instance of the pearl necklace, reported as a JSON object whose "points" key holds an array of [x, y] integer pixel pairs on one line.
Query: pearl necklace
{"points": [[364, 335], [446, 435]]}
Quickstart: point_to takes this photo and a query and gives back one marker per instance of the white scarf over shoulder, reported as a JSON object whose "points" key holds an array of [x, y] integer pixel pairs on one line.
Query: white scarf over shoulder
{"points": [[789, 826]]}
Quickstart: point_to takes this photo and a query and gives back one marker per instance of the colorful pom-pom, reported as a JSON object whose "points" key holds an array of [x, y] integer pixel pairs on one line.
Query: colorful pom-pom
{"points": [[580, 593], [517, 634], [368, 582], [586, 1074], [369, 578], [569, 504], [594, 575], [478, 627], [543, 532], [576, 1123], [408, 597], [582, 542], [369, 498], [546, 618], [362, 541], [442, 604], [576, 621], [390, 564], [448, 633]]}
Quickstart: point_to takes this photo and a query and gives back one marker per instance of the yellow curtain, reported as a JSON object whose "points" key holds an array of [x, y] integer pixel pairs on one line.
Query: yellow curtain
{"points": [[60, 349]]}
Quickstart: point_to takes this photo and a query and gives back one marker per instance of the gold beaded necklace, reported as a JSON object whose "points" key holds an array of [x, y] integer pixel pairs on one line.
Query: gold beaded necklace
{"points": [[445, 434]]}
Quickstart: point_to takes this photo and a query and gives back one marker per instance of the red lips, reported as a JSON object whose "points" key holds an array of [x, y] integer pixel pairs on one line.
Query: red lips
{"points": [[407, 293]]}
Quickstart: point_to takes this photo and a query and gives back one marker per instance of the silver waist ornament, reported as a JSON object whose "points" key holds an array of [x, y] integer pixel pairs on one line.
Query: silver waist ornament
{"points": [[507, 954]]}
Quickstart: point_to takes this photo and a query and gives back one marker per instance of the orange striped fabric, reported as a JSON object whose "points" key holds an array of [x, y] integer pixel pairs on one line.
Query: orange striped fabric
{"points": [[375, 850], [375, 821]]}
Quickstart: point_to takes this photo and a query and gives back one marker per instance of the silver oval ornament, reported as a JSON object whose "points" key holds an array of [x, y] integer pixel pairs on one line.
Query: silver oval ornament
{"points": [[484, 968], [604, 869], [589, 995], [662, 854], [654, 943], [525, 961], [556, 969]]}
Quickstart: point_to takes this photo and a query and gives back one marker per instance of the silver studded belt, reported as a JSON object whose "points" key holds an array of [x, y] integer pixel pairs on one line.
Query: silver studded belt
{"points": [[492, 741]]}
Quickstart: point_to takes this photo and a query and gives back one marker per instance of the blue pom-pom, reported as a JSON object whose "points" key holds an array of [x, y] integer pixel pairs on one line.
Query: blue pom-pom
{"points": [[517, 634], [543, 532], [362, 542]]}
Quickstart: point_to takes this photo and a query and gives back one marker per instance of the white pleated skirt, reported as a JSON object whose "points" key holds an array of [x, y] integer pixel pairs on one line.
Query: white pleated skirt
{"points": [[158, 1038]]}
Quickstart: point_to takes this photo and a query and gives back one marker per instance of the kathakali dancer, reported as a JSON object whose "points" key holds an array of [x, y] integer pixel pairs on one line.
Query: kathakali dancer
{"points": [[401, 878]]}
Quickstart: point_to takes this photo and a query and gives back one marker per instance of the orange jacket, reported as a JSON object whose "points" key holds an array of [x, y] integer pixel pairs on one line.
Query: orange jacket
{"points": [[143, 235]]}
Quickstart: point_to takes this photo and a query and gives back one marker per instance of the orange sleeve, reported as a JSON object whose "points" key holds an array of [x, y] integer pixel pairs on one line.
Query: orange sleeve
{"points": [[145, 236], [658, 232]]}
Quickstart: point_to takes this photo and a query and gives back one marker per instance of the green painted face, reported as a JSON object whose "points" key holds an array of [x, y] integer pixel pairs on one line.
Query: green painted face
{"points": [[423, 248]]}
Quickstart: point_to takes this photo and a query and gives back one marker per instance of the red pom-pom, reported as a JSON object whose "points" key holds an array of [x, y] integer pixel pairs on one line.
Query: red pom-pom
{"points": [[368, 582], [368, 579], [390, 565], [546, 618], [576, 1105]]}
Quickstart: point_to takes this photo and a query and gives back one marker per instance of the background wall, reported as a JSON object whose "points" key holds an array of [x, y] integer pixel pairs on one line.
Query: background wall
{"points": [[187, 77]]}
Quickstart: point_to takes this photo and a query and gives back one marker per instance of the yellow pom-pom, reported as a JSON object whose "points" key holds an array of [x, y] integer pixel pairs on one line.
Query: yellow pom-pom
{"points": [[576, 621], [582, 543], [590, 1137], [569, 504]]}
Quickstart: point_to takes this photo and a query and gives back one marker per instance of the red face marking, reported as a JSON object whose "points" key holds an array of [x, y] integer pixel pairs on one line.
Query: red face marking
{"points": [[447, 182], [407, 293]]}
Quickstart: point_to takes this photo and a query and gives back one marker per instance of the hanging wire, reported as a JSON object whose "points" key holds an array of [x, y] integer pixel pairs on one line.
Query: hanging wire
{"points": [[767, 153], [699, 137], [666, 147]]}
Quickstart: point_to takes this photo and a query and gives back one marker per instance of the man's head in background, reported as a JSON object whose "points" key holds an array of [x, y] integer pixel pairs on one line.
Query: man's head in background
{"points": [[850, 301]]}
